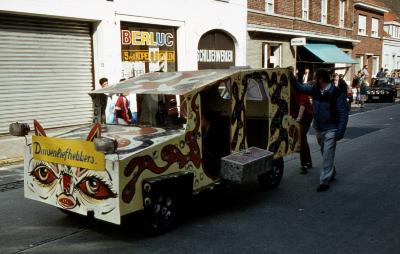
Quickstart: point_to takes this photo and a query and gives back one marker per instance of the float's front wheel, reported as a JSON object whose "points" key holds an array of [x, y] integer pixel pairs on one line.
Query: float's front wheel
{"points": [[272, 179], [161, 214]]}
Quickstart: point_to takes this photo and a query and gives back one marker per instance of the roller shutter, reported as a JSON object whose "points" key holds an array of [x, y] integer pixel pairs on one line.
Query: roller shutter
{"points": [[45, 71]]}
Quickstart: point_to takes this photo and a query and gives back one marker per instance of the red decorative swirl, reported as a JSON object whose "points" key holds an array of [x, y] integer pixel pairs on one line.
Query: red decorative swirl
{"points": [[169, 153]]}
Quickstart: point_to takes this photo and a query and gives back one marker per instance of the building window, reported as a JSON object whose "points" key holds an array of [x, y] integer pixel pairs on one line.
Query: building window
{"points": [[269, 6], [374, 27], [362, 25], [398, 63], [359, 63], [375, 65], [304, 8], [324, 11], [342, 5], [390, 30], [393, 62], [272, 55], [396, 32]]}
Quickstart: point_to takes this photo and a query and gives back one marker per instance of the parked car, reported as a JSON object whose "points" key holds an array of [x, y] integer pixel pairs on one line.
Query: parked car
{"points": [[382, 90], [234, 125]]}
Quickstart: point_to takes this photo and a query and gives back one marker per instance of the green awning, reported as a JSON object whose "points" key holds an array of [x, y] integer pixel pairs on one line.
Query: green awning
{"points": [[329, 53]]}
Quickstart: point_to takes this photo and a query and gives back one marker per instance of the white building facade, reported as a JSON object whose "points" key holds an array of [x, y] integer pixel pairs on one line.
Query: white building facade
{"points": [[56, 51], [391, 46]]}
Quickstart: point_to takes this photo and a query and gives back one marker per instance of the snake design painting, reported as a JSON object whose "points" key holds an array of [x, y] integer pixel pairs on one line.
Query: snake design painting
{"points": [[170, 154], [283, 131]]}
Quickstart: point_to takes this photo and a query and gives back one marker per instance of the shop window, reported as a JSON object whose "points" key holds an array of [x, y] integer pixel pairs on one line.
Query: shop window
{"points": [[324, 11], [398, 63], [374, 27], [362, 25], [342, 5], [305, 9], [272, 55], [269, 6]]}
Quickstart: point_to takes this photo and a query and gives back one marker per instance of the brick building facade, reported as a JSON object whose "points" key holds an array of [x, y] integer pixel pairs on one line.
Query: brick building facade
{"points": [[273, 23], [368, 29]]}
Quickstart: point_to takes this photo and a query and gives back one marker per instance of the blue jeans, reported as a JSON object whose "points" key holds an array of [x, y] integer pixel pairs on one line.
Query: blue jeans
{"points": [[327, 142]]}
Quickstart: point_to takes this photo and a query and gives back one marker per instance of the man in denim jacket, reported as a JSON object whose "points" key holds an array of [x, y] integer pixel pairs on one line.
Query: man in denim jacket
{"points": [[330, 118]]}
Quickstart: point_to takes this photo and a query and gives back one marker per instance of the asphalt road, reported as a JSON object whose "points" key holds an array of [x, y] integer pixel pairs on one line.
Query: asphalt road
{"points": [[359, 214]]}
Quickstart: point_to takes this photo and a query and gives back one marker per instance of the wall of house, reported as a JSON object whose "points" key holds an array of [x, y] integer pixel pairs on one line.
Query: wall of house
{"points": [[191, 18], [369, 46]]}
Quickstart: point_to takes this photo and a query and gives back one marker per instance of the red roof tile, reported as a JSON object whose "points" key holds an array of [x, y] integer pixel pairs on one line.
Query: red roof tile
{"points": [[391, 16], [375, 3]]}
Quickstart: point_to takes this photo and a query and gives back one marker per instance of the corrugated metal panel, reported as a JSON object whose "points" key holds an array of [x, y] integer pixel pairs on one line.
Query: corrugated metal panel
{"points": [[45, 71]]}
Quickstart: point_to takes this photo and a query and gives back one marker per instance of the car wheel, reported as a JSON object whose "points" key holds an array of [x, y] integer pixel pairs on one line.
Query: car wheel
{"points": [[272, 179], [161, 214]]}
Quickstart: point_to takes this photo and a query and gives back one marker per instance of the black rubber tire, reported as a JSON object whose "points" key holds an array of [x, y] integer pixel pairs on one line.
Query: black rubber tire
{"points": [[272, 179], [162, 215]]}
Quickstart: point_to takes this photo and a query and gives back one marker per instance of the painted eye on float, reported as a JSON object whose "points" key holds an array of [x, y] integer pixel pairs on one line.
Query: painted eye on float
{"points": [[43, 174], [96, 188]]}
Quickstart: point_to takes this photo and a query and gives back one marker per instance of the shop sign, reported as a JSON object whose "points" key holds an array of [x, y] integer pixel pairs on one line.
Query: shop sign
{"points": [[298, 41], [147, 48], [216, 50]]}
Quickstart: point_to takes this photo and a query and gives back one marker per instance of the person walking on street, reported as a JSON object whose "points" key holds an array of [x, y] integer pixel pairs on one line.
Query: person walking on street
{"points": [[363, 93], [347, 89], [380, 73], [330, 120], [100, 103], [304, 117]]}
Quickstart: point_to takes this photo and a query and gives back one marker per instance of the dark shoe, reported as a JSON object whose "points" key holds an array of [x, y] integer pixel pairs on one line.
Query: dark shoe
{"points": [[322, 187], [303, 170], [308, 165]]}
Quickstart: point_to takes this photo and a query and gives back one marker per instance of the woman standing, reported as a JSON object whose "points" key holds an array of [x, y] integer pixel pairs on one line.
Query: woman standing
{"points": [[304, 117], [363, 93]]}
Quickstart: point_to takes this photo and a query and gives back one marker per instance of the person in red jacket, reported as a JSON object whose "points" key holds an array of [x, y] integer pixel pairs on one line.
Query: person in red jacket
{"points": [[304, 117], [122, 110]]}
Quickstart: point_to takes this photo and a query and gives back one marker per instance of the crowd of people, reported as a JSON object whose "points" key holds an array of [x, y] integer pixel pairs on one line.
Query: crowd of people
{"points": [[361, 85], [324, 102]]}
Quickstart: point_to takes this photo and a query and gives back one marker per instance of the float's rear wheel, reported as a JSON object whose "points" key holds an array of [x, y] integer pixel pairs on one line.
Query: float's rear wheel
{"points": [[272, 179], [161, 214]]}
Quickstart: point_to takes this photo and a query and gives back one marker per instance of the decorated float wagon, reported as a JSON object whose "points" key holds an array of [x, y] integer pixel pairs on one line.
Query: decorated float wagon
{"points": [[193, 130]]}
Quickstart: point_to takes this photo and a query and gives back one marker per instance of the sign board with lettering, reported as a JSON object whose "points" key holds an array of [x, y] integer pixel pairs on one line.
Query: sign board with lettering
{"points": [[147, 48], [70, 152], [216, 50], [298, 41]]}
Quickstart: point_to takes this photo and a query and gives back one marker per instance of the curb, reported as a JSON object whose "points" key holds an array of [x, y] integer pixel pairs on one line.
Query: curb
{"points": [[10, 161]]}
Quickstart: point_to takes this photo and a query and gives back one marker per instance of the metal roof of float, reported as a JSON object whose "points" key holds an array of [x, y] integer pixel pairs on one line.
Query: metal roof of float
{"points": [[174, 83]]}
